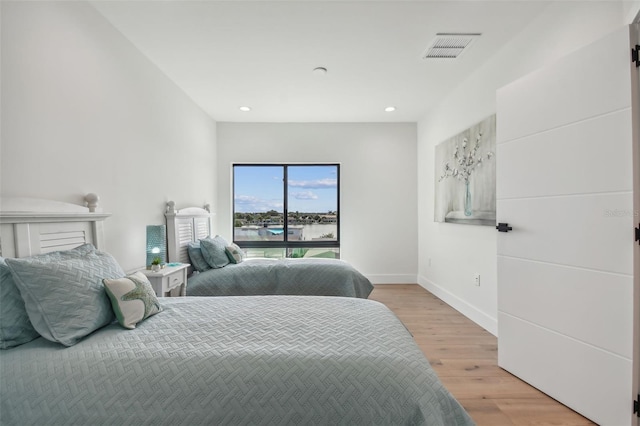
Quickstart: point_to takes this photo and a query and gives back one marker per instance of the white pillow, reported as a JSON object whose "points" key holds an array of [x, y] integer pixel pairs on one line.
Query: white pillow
{"points": [[132, 298], [235, 253]]}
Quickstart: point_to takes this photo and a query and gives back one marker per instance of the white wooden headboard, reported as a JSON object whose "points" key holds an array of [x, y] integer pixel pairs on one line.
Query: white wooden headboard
{"points": [[31, 226], [184, 226]]}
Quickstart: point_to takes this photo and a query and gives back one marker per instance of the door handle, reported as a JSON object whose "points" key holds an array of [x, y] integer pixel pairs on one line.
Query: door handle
{"points": [[504, 227]]}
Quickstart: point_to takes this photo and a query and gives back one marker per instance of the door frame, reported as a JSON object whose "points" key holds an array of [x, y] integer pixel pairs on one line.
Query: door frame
{"points": [[635, 106]]}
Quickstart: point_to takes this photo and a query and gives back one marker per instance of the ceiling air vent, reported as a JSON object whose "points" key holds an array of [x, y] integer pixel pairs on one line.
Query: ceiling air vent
{"points": [[449, 45]]}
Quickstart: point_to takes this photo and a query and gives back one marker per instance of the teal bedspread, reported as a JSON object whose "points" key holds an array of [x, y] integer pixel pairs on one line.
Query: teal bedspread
{"points": [[302, 277], [275, 360]]}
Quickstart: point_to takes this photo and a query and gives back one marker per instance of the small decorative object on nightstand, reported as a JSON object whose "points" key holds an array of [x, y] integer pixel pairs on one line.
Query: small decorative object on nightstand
{"points": [[156, 264], [169, 278]]}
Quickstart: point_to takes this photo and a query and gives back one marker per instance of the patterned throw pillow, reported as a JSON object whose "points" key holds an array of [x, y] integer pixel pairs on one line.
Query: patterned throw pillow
{"points": [[15, 327], [196, 258], [235, 253], [132, 298], [214, 251], [63, 291]]}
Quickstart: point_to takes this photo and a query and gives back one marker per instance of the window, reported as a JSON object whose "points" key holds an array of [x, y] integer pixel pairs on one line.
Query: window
{"points": [[307, 195]]}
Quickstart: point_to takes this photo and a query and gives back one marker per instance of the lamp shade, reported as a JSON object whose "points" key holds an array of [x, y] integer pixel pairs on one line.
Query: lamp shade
{"points": [[156, 243]]}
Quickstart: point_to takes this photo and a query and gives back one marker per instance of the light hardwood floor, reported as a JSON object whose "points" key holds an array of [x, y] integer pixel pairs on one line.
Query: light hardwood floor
{"points": [[465, 357]]}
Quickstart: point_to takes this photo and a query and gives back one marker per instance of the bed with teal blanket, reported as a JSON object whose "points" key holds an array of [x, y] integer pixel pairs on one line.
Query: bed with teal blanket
{"points": [[229, 361], [254, 277], [83, 343], [221, 269]]}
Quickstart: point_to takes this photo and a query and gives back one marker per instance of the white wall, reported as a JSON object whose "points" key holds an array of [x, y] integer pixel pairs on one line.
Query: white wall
{"points": [[450, 254], [84, 111], [631, 11], [378, 209]]}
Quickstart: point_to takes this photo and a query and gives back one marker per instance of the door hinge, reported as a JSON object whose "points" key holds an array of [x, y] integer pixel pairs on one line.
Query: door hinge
{"points": [[635, 55], [636, 406], [504, 227], [638, 233]]}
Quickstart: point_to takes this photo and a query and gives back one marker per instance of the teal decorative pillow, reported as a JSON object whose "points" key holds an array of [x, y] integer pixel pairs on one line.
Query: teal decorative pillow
{"points": [[132, 298], [63, 292], [214, 251], [235, 253], [15, 327], [195, 255]]}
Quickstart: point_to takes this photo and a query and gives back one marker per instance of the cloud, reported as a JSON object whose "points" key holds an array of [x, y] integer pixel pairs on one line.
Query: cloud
{"points": [[247, 199], [314, 184], [270, 206], [305, 195], [251, 204]]}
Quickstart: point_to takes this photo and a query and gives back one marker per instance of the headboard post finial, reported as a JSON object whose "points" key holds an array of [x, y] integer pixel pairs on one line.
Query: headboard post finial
{"points": [[171, 207], [92, 201], [207, 207]]}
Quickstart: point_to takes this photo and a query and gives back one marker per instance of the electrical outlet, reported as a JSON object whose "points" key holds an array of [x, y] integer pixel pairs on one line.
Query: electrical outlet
{"points": [[476, 280], [429, 261]]}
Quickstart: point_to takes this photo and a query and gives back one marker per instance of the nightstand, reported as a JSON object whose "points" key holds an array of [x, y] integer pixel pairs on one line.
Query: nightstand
{"points": [[168, 278]]}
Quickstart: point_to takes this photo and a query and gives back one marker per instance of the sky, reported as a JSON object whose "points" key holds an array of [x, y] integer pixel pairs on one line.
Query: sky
{"points": [[312, 189]]}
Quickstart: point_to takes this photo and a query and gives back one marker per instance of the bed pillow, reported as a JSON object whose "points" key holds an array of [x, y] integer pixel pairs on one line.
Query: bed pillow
{"points": [[63, 292], [15, 327], [195, 255], [132, 298], [214, 251], [235, 253]]}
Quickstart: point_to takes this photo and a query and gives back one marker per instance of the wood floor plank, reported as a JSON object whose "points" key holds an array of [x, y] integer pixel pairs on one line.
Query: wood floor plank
{"points": [[486, 412], [465, 357], [544, 411], [466, 367]]}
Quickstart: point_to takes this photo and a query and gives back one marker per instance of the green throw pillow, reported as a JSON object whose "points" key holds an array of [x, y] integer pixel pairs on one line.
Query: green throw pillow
{"points": [[213, 251], [63, 292], [196, 258], [15, 327]]}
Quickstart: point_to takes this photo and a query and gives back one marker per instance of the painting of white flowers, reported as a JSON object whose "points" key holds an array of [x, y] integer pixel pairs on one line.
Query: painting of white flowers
{"points": [[466, 176]]}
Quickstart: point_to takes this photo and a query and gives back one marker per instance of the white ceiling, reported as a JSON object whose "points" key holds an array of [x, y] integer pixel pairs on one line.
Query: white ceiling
{"points": [[226, 54]]}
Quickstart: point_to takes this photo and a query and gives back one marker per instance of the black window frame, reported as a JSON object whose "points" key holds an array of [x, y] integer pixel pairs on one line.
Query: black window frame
{"points": [[286, 244]]}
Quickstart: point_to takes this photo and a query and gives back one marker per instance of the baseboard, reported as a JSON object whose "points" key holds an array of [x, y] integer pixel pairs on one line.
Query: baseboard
{"points": [[392, 279], [466, 309]]}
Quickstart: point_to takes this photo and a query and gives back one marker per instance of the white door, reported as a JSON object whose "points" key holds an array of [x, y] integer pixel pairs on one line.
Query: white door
{"points": [[565, 271]]}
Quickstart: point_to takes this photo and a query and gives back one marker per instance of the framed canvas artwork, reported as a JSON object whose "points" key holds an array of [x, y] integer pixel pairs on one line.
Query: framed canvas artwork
{"points": [[466, 176]]}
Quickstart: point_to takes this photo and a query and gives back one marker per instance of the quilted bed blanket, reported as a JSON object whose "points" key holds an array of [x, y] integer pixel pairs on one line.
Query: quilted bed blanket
{"points": [[233, 361], [306, 277]]}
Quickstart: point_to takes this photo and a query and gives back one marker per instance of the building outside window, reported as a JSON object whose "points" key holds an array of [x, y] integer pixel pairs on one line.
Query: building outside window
{"points": [[287, 210]]}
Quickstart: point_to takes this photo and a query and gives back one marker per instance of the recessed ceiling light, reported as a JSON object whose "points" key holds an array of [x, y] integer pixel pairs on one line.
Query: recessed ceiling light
{"points": [[245, 109], [390, 109], [320, 71]]}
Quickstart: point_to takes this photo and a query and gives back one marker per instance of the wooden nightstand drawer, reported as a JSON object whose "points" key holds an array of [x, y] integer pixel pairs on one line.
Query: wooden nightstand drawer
{"points": [[168, 279]]}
